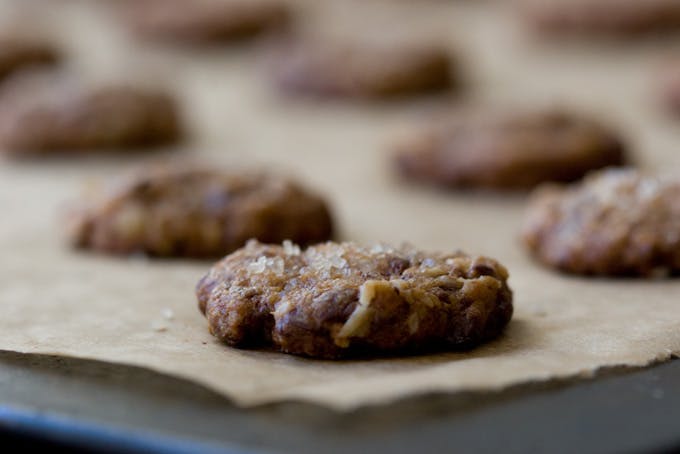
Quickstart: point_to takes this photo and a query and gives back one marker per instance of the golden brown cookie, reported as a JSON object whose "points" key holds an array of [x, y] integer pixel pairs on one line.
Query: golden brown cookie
{"points": [[616, 222], [18, 53], [604, 17], [335, 300], [184, 211], [204, 21], [512, 151], [334, 69], [60, 118]]}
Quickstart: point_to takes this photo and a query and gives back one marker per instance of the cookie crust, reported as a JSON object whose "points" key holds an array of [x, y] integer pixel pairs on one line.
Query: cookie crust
{"points": [[616, 222], [337, 300], [169, 211], [510, 151]]}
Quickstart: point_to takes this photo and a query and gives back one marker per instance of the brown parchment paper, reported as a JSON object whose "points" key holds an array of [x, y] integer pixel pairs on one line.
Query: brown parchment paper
{"points": [[135, 311]]}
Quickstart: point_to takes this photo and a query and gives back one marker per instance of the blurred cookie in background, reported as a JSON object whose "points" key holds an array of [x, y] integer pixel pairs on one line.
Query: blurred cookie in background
{"points": [[603, 17], [200, 212], [204, 21], [369, 69], [506, 150], [668, 88], [40, 116], [615, 222], [19, 52]]}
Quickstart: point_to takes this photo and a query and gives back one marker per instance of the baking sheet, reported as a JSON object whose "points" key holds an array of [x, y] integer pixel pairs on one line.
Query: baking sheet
{"points": [[143, 312]]}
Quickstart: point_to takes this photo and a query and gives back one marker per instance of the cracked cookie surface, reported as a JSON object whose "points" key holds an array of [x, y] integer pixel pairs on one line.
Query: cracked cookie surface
{"points": [[340, 299], [197, 212], [616, 222], [507, 151]]}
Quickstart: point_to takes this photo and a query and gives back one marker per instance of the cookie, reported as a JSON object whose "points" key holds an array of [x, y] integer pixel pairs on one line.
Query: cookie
{"points": [[669, 88], [63, 118], [334, 69], [204, 21], [616, 222], [173, 211], [18, 53], [512, 151], [336, 300], [605, 17]]}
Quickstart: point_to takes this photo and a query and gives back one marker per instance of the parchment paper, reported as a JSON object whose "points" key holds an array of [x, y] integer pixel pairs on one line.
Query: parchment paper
{"points": [[135, 311]]}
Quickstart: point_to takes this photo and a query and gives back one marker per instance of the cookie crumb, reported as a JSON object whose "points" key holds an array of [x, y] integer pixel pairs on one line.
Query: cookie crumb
{"points": [[159, 326]]}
